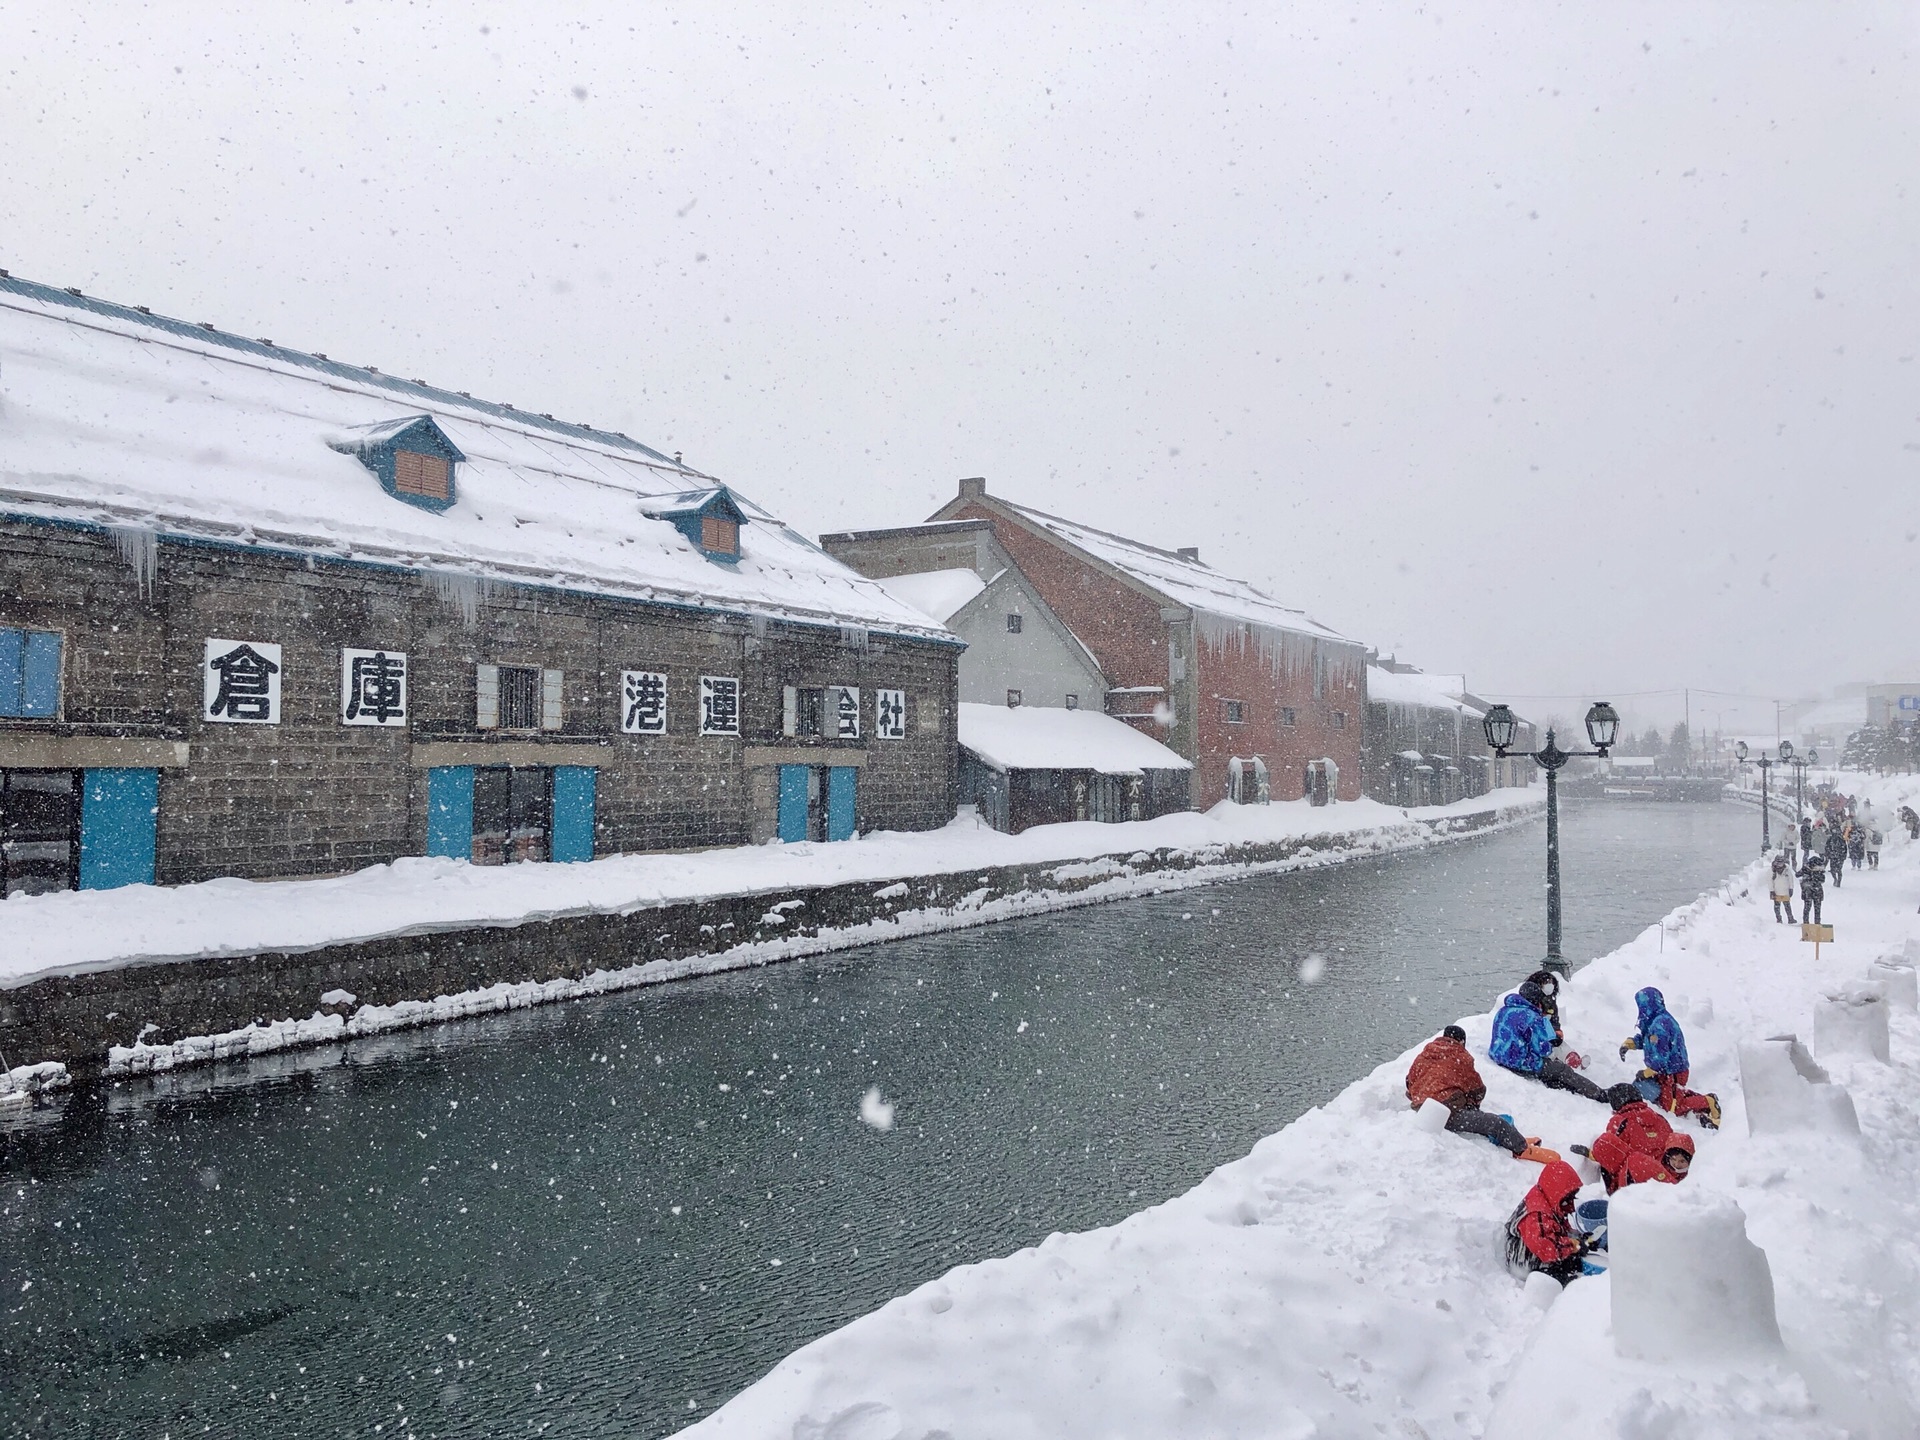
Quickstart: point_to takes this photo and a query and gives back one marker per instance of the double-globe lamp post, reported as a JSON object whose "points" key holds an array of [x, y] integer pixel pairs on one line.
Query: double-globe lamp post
{"points": [[1766, 764], [1799, 764], [1603, 724]]}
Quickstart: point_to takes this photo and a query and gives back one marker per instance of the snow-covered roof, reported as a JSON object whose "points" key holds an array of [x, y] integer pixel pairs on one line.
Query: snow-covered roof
{"points": [[936, 593], [1185, 582], [112, 416], [1848, 714], [1417, 688], [1042, 738]]}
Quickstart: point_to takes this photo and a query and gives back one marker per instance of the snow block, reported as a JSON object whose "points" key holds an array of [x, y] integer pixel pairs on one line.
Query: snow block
{"points": [[1541, 1290], [1851, 1024], [1432, 1116], [1785, 1091], [1897, 983], [1686, 1280]]}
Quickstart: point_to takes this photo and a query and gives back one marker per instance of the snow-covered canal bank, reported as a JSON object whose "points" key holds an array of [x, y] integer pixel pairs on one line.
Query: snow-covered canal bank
{"points": [[285, 1248], [1343, 1279]]}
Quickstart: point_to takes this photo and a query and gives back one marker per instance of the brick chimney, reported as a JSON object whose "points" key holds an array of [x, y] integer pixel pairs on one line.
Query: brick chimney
{"points": [[974, 488], [1189, 552]]}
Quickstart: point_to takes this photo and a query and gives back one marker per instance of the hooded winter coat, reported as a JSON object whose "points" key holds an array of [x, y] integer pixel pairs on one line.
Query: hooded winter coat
{"points": [[1444, 1071], [1661, 1039], [1523, 1036], [1634, 1147], [1781, 886], [1543, 1227]]}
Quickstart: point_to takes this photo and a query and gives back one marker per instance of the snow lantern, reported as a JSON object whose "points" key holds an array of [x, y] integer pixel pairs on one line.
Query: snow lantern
{"points": [[1897, 984], [1685, 1278], [1851, 1024], [1786, 1091]]}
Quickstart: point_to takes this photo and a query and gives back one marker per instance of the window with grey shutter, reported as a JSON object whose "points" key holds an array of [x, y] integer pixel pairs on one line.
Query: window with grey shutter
{"points": [[789, 710], [552, 697], [486, 710]]}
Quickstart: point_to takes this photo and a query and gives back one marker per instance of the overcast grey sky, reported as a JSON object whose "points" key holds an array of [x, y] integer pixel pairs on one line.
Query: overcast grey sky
{"points": [[1571, 347]]}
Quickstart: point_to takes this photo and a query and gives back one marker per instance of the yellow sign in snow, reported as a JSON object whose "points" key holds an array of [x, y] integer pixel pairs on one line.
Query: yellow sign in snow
{"points": [[1819, 935]]}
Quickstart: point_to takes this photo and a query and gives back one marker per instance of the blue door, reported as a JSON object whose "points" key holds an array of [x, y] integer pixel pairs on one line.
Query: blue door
{"points": [[841, 782], [573, 787], [793, 803], [118, 813], [450, 811]]}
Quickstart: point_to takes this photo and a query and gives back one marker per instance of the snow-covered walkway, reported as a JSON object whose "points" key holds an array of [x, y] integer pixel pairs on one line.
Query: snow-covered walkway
{"points": [[1344, 1278], [77, 931]]}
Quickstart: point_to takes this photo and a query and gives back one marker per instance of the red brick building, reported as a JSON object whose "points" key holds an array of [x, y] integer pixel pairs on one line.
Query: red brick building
{"points": [[1207, 664]]}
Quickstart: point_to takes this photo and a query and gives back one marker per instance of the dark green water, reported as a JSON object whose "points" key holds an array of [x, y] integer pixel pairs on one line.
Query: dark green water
{"points": [[567, 1221]]}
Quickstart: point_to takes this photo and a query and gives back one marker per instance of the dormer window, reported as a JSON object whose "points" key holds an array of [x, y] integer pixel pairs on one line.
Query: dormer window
{"points": [[710, 519], [411, 457], [429, 476]]}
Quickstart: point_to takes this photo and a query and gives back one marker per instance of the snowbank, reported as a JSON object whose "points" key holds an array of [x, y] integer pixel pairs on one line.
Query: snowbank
{"points": [[78, 931], [1344, 1278]]}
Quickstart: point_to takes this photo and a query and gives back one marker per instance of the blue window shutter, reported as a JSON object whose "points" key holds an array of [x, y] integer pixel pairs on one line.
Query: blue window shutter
{"points": [[450, 811], [119, 811], [793, 803], [40, 675], [12, 670], [842, 780], [573, 789]]}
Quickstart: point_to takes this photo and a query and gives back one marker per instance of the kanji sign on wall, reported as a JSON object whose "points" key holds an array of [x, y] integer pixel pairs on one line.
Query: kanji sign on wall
{"points": [[241, 682], [373, 688], [890, 714], [719, 705], [643, 702], [845, 722]]}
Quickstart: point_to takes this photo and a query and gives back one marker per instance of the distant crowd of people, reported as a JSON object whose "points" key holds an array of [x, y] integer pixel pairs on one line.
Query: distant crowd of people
{"points": [[1840, 831]]}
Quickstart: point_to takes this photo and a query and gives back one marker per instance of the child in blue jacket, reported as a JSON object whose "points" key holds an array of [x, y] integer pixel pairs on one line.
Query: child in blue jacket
{"points": [[1663, 1045], [1523, 1039]]}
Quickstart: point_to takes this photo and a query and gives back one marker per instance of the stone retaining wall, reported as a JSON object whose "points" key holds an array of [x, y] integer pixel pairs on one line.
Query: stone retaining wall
{"points": [[77, 1019]]}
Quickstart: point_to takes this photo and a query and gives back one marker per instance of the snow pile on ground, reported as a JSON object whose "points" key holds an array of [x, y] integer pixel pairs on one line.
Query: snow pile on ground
{"points": [[20, 1084], [77, 931], [1345, 1279]]}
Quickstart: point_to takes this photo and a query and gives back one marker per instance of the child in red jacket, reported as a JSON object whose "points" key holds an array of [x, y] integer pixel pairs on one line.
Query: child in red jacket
{"points": [[1444, 1071], [1639, 1145], [1539, 1236]]}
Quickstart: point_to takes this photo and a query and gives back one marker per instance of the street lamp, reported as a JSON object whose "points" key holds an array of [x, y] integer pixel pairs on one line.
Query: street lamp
{"points": [[1799, 764], [1766, 763], [1603, 724]]}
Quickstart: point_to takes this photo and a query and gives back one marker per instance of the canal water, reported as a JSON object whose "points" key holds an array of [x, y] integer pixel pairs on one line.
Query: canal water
{"points": [[603, 1219]]}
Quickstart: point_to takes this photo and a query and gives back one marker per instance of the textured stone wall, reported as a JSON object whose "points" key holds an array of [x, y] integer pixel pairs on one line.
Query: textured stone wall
{"points": [[313, 796]]}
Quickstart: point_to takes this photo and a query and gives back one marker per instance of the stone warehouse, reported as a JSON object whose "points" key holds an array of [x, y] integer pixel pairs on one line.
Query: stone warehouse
{"points": [[1426, 744], [1263, 700], [265, 614]]}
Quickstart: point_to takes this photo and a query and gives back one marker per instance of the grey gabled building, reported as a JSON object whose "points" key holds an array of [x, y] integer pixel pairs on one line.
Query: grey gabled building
{"points": [[1018, 650], [266, 614]]}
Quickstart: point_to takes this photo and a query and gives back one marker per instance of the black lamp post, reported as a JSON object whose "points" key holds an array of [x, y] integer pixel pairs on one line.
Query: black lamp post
{"points": [[1603, 724], [1787, 757], [1766, 763]]}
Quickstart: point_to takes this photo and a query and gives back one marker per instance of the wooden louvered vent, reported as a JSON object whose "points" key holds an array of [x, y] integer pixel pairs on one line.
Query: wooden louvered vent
{"points": [[428, 476], [719, 535]]}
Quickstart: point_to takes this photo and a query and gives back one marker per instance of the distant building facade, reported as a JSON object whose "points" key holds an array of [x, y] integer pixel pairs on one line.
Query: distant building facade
{"points": [[1019, 652], [1262, 699], [1425, 741], [263, 614]]}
